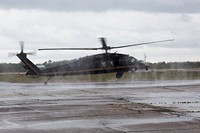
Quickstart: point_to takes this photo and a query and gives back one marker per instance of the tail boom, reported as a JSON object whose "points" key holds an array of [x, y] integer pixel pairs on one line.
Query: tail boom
{"points": [[32, 68]]}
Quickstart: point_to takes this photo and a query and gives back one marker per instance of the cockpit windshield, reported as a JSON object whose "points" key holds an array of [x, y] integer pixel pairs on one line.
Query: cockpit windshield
{"points": [[125, 61], [141, 61], [133, 59]]}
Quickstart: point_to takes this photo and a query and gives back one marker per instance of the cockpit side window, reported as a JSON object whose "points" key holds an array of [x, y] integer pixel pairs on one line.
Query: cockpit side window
{"points": [[133, 59]]}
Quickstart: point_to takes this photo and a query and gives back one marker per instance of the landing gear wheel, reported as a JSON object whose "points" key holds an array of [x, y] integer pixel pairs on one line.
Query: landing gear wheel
{"points": [[119, 74], [146, 68], [47, 80]]}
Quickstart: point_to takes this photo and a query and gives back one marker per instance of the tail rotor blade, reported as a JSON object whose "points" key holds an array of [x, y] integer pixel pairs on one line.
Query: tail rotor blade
{"points": [[12, 54], [22, 46]]}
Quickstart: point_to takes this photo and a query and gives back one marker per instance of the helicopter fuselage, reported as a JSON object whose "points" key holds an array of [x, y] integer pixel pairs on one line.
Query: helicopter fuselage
{"points": [[94, 64]]}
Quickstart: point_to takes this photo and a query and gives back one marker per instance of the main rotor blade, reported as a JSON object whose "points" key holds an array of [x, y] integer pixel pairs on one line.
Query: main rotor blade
{"points": [[31, 53], [103, 42], [69, 49], [123, 46], [105, 47]]}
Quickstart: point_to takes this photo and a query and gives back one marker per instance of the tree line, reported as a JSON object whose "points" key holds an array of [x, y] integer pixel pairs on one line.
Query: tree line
{"points": [[174, 65], [18, 67]]}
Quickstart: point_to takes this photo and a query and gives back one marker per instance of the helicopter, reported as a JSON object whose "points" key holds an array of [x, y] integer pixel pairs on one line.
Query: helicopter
{"points": [[106, 62]]}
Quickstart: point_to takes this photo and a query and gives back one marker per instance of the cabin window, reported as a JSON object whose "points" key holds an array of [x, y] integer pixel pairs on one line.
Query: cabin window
{"points": [[110, 63], [107, 64], [103, 64]]}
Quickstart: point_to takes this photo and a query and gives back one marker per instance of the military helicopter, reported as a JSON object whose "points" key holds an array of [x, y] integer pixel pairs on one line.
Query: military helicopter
{"points": [[95, 64]]}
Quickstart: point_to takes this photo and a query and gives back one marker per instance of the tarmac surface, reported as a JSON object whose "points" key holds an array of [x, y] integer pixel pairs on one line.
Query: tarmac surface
{"points": [[122, 107]]}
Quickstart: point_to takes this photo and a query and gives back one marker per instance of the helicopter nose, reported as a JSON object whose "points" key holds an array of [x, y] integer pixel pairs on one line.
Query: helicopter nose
{"points": [[141, 61]]}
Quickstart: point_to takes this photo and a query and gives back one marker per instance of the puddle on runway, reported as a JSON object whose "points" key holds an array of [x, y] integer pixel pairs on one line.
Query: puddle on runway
{"points": [[37, 100], [95, 123], [88, 123]]}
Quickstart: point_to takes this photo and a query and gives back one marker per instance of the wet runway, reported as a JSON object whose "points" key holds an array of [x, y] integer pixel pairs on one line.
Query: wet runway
{"points": [[142, 106]]}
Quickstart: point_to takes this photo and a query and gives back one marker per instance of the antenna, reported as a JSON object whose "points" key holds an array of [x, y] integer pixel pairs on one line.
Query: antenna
{"points": [[145, 58]]}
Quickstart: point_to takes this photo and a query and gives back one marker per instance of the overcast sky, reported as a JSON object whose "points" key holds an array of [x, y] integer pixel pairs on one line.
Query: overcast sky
{"points": [[79, 23]]}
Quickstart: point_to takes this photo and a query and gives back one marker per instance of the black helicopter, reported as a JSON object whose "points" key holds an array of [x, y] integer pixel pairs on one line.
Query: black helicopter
{"points": [[94, 64]]}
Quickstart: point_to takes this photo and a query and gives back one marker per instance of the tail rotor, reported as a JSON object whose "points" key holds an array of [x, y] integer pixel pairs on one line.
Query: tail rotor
{"points": [[22, 51]]}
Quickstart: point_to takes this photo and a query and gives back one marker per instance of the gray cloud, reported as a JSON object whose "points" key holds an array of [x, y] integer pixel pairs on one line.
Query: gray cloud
{"points": [[79, 23], [169, 6]]}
